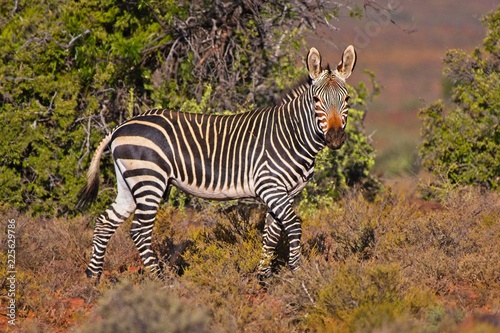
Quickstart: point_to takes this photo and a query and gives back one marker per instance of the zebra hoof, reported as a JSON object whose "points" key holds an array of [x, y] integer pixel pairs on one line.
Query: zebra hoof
{"points": [[93, 276], [264, 276]]}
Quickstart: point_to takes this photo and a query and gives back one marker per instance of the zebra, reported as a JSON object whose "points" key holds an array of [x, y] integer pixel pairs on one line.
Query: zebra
{"points": [[268, 154]]}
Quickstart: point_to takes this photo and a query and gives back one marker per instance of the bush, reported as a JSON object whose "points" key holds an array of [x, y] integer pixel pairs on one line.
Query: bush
{"points": [[460, 142], [396, 263], [150, 307]]}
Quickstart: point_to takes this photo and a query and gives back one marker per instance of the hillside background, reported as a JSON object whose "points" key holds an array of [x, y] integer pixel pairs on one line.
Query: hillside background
{"points": [[406, 57]]}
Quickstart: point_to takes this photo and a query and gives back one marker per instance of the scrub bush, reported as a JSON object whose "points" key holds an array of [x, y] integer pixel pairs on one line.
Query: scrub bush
{"points": [[147, 308]]}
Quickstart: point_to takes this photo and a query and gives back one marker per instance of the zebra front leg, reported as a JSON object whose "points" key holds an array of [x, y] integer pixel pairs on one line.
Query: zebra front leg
{"points": [[271, 237], [280, 206], [293, 230]]}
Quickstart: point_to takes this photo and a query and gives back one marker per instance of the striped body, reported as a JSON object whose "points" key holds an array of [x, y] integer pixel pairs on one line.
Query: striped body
{"points": [[214, 156], [266, 153]]}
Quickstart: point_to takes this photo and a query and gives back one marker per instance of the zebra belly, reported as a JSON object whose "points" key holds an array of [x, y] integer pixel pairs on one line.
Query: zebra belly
{"points": [[227, 193]]}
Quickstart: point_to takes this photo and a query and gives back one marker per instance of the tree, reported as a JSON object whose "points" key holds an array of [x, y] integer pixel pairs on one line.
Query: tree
{"points": [[70, 71], [460, 142]]}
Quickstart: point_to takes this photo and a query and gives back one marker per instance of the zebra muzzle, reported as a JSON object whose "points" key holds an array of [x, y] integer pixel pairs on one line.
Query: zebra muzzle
{"points": [[335, 138]]}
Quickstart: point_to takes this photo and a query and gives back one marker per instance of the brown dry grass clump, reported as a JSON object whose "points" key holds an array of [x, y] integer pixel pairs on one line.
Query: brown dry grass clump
{"points": [[397, 264]]}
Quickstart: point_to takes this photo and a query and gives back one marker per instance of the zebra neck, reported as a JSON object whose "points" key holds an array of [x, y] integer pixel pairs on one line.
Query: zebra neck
{"points": [[297, 91], [304, 122]]}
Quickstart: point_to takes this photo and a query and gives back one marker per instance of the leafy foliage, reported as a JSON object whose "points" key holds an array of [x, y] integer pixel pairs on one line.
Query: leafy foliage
{"points": [[462, 143]]}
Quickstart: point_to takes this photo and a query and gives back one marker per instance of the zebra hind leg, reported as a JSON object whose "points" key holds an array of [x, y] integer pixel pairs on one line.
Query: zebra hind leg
{"points": [[142, 230], [106, 225]]}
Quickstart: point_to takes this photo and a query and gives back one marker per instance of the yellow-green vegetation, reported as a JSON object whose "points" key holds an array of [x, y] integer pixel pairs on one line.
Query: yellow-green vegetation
{"points": [[460, 142], [389, 265]]}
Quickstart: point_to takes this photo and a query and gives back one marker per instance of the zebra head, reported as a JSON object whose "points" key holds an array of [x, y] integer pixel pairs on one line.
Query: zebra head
{"points": [[330, 95]]}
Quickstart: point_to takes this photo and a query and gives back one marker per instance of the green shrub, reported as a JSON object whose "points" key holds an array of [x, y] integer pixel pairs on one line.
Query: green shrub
{"points": [[460, 142], [400, 159]]}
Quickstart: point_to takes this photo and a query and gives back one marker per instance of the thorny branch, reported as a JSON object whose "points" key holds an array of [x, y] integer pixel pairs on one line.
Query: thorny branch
{"points": [[233, 44]]}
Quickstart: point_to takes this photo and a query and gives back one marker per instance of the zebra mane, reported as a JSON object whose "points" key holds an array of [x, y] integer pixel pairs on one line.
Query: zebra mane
{"points": [[300, 87]]}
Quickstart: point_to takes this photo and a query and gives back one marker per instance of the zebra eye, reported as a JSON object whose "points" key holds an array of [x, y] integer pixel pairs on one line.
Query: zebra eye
{"points": [[316, 99], [346, 102]]}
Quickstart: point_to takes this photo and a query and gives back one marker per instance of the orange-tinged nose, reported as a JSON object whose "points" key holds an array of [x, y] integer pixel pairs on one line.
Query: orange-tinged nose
{"points": [[334, 121]]}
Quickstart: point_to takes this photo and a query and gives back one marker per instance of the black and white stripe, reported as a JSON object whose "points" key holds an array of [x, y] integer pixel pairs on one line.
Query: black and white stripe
{"points": [[266, 153]]}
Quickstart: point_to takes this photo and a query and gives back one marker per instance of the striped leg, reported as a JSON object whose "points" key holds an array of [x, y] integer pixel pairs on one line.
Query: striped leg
{"points": [[142, 230], [293, 230], [281, 216], [271, 237], [106, 225]]}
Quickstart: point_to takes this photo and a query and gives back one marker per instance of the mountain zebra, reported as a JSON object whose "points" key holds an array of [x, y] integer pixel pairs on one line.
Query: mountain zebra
{"points": [[266, 153]]}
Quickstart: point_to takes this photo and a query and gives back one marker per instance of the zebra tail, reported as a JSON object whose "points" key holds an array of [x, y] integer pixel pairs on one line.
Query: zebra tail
{"points": [[88, 193]]}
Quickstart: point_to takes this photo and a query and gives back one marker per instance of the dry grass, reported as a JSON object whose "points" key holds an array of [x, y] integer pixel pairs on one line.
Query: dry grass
{"points": [[398, 264]]}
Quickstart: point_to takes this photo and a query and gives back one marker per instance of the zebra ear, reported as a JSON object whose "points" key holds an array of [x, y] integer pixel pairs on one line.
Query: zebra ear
{"points": [[346, 65], [314, 63]]}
